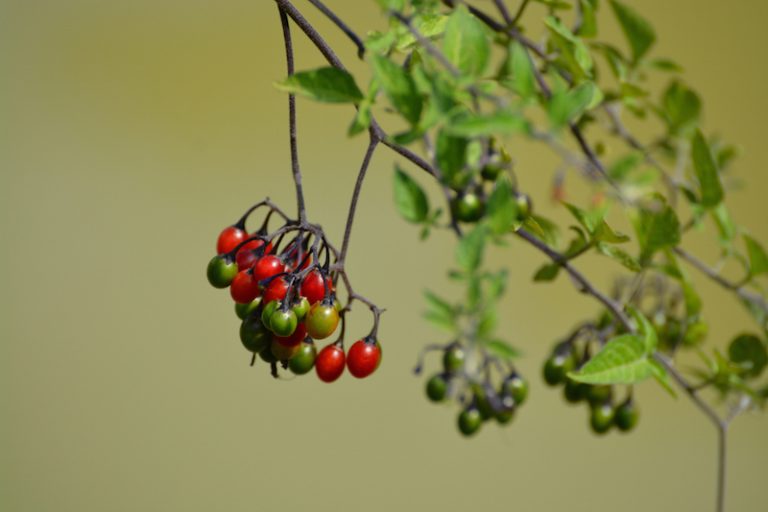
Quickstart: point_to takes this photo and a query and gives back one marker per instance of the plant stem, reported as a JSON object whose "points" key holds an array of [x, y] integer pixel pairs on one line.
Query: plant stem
{"points": [[356, 196], [292, 120], [342, 26]]}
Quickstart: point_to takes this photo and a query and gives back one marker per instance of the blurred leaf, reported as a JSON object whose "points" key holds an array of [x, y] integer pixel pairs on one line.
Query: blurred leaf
{"points": [[588, 26], [758, 259], [438, 304], [328, 84], [663, 64], [487, 323], [469, 252], [497, 123], [523, 81], [620, 256], [646, 329], [662, 377], [681, 107], [429, 25], [543, 229], [568, 106], [399, 87], [450, 154], [725, 225], [465, 43], [574, 54], [622, 360], [657, 229], [362, 120], [706, 171], [547, 272], [410, 199], [392, 5], [749, 353], [502, 350], [501, 207], [638, 31]]}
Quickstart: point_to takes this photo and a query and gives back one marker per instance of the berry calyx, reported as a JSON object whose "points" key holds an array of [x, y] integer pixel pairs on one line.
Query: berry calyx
{"points": [[329, 364], [230, 238], [363, 358], [221, 271]]}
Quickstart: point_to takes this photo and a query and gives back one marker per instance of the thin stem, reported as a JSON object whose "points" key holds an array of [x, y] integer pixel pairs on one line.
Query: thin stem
{"points": [[746, 295], [501, 6], [292, 119], [519, 13], [343, 26], [313, 35], [722, 454], [355, 197]]}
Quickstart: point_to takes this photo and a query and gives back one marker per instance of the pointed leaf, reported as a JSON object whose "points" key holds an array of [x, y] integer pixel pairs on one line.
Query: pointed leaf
{"points": [[621, 361], [410, 199], [465, 43], [502, 350], [758, 259], [469, 252], [706, 171], [399, 87], [501, 207], [327, 84], [638, 31]]}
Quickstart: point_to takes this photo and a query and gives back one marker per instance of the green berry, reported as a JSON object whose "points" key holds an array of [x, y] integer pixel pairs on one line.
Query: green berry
{"points": [[221, 271], [266, 354], [253, 335], [601, 418], [283, 322], [266, 313], [301, 308], [599, 394], [524, 206], [243, 311], [626, 416], [468, 207], [469, 421], [557, 367], [437, 388], [453, 358], [575, 392], [517, 388]]}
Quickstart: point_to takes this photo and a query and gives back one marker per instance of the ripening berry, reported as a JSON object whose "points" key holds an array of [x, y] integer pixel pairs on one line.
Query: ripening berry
{"points": [[322, 320], [363, 358], [304, 359]]}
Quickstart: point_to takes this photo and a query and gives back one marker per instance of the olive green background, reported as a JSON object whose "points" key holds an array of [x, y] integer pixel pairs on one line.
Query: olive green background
{"points": [[133, 131]]}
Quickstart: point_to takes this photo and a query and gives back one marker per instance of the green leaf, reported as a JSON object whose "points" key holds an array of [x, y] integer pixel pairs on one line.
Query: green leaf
{"points": [[410, 199], [441, 321], [663, 64], [568, 106], [543, 229], [547, 272], [587, 219], [657, 229], [450, 155], [399, 87], [523, 80], [501, 207], [438, 304], [328, 84], [363, 117], [605, 233], [465, 43], [749, 353], [647, 331], [502, 350], [638, 31], [574, 54], [391, 5], [588, 26], [497, 123], [706, 171], [758, 259], [620, 256], [662, 377], [622, 360], [469, 252], [681, 107], [428, 25]]}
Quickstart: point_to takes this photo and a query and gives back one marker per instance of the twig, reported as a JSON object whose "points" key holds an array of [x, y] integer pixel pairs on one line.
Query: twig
{"points": [[292, 119], [356, 196], [342, 26]]}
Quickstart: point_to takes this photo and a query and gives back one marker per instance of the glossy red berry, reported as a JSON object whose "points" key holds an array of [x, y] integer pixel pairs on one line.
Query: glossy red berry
{"points": [[329, 364], [243, 288], [267, 267], [249, 254], [363, 358], [277, 289], [294, 339], [313, 287], [230, 238]]}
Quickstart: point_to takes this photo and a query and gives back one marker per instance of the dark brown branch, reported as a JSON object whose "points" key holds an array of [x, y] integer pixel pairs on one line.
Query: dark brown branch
{"points": [[356, 196], [342, 26]]}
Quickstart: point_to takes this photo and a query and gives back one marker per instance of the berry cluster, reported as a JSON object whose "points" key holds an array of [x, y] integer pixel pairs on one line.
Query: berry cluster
{"points": [[470, 195], [605, 413], [468, 376], [285, 296]]}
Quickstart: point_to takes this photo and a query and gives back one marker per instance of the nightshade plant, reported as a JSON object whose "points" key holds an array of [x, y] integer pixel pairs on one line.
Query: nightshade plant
{"points": [[465, 86]]}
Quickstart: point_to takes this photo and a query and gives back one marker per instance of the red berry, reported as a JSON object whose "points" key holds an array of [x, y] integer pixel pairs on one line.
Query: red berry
{"points": [[313, 287], [229, 238], [363, 358], [329, 364], [243, 288], [268, 266], [276, 290], [247, 255], [294, 339]]}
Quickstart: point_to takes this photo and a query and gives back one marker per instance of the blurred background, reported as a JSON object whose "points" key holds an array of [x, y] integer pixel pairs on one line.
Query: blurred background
{"points": [[132, 132]]}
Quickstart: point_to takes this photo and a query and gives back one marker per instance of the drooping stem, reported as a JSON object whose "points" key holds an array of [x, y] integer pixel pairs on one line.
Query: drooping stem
{"points": [[342, 26], [292, 119], [356, 197]]}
